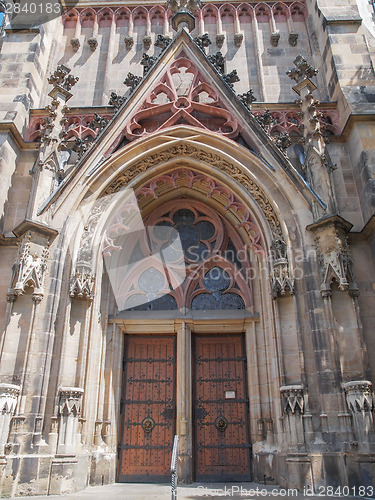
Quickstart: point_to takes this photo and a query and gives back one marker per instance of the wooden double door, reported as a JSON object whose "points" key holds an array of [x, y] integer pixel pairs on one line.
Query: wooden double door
{"points": [[220, 436]]}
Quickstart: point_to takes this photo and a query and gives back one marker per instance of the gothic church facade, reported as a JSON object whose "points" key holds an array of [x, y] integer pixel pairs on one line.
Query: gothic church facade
{"points": [[187, 244]]}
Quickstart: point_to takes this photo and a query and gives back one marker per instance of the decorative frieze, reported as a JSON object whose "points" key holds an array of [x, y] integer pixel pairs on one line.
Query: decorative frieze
{"points": [[293, 401]]}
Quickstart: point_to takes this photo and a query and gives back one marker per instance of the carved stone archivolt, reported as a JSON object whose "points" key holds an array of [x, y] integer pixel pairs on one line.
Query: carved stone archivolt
{"points": [[359, 396], [212, 189], [293, 400], [188, 151]]}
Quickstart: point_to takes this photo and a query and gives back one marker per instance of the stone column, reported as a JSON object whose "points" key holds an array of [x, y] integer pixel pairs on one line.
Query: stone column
{"points": [[8, 402], [184, 404]]}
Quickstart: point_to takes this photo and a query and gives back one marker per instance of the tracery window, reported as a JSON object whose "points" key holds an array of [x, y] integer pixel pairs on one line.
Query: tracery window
{"points": [[188, 256]]}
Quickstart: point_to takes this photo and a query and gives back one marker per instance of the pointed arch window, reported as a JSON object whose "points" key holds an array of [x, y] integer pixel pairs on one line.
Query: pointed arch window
{"points": [[206, 269]]}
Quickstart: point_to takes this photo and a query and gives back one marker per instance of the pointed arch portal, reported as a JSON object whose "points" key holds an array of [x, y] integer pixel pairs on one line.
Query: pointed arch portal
{"points": [[186, 229]]}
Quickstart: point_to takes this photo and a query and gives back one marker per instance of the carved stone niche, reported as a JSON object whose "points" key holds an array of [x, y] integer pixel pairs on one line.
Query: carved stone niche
{"points": [[69, 412], [8, 401], [281, 278], [293, 408], [334, 254], [30, 267]]}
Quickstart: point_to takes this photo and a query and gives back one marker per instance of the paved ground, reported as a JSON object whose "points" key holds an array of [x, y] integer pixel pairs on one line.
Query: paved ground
{"points": [[217, 491]]}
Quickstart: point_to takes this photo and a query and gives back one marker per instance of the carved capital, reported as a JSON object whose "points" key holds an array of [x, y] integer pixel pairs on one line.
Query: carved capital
{"points": [[82, 285], [70, 400], [359, 396], [8, 398], [293, 401]]}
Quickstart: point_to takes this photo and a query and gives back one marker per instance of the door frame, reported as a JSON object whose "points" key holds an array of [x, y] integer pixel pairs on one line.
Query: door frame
{"points": [[184, 325]]}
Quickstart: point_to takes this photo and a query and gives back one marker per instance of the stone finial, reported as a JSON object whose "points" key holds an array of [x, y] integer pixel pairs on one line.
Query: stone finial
{"points": [[75, 43], [62, 78], [231, 78], [281, 278], [183, 13], [274, 39], [302, 70], [186, 5]]}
